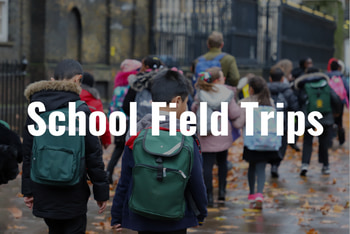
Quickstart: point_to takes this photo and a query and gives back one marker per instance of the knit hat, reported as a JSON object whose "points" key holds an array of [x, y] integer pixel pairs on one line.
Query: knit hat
{"points": [[88, 79], [129, 65]]}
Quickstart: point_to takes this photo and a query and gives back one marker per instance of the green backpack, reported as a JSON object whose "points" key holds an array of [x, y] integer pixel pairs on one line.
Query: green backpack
{"points": [[58, 160], [162, 169], [319, 96]]}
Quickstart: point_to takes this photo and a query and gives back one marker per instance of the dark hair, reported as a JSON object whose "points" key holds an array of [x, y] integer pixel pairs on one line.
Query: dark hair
{"points": [[335, 66], [276, 74], [296, 72], [67, 69], [168, 84], [312, 70], [88, 79], [258, 84], [302, 62], [152, 62]]}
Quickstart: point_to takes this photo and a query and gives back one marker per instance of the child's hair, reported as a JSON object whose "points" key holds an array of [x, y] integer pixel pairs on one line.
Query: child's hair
{"points": [[312, 70], [258, 84], [152, 62], [334, 65], [206, 79], [168, 84], [276, 74], [67, 69], [88, 79]]}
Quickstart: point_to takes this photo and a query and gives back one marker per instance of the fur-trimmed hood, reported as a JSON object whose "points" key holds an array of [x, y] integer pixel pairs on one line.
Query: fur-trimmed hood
{"points": [[56, 85], [309, 77], [53, 94]]}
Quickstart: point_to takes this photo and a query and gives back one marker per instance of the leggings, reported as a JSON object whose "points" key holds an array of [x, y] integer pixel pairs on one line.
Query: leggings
{"points": [[256, 170]]}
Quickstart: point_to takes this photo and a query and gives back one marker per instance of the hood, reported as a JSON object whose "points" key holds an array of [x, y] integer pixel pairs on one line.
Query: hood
{"points": [[93, 91], [277, 87], [330, 62], [54, 94], [121, 79], [146, 122], [300, 81], [142, 80], [214, 99]]}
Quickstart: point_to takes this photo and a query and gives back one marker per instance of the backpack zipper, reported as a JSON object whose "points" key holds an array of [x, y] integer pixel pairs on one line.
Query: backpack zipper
{"points": [[165, 169]]}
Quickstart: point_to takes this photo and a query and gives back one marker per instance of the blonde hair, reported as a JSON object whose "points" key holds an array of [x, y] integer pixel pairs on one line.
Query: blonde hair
{"points": [[209, 86], [215, 40], [286, 66]]}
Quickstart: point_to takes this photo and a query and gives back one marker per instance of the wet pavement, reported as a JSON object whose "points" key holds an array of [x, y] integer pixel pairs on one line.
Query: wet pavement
{"points": [[293, 204]]}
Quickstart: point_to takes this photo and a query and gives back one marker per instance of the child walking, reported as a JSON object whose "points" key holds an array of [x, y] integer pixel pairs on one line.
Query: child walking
{"points": [[255, 156], [150, 196], [211, 88]]}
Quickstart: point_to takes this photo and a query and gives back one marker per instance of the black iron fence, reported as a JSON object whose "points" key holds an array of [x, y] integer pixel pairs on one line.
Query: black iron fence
{"points": [[180, 28], [304, 32], [12, 102], [257, 33]]}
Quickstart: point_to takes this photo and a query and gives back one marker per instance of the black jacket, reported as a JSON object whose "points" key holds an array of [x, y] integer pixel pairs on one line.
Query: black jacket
{"points": [[63, 202], [291, 98], [10, 154], [336, 103]]}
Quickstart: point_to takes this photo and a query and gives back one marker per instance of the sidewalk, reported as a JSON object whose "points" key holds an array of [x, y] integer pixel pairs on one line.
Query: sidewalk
{"points": [[313, 204]]}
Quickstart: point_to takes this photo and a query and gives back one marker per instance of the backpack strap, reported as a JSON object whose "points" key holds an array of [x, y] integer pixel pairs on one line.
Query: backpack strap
{"points": [[219, 57], [79, 103], [201, 59]]}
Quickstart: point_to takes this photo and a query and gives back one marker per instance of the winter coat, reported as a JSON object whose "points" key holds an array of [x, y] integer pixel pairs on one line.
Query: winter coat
{"points": [[288, 94], [212, 143], [336, 103], [121, 214], [121, 79], [11, 154], [63, 202], [228, 65], [92, 98]]}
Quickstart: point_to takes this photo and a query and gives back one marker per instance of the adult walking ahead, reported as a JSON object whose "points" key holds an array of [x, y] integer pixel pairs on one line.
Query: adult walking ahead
{"points": [[228, 64]]}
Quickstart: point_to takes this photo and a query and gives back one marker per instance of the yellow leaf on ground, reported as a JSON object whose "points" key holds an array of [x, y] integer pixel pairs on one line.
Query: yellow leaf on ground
{"points": [[213, 210], [251, 210], [311, 190], [328, 221], [17, 213], [338, 209], [220, 218], [306, 205], [229, 227]]}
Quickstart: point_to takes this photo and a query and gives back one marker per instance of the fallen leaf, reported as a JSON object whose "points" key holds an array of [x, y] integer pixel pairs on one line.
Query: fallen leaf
{"points": [[229, 227], [338, 209], [311, 190], [251, 210], [334, 181], [16, 213], [213, 210], [312, 231], [220, 218], [300, 220], [346, 205], [306, 205], [328, 221], [274, 185]]}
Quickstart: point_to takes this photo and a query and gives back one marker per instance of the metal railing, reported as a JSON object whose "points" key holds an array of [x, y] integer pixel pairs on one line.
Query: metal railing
{"points": [[12, 102]]}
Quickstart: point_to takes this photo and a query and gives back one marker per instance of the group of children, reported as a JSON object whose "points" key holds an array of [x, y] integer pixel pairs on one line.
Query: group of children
{"points": [[155, 165]]}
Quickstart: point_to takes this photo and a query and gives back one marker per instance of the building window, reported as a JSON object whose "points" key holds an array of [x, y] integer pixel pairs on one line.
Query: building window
{"points": [[3, 20]]}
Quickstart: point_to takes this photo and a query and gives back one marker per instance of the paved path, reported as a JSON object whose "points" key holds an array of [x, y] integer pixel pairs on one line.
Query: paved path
{"points": [[313, 204]]}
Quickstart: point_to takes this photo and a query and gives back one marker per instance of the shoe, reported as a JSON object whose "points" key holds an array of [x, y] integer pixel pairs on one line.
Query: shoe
{"points": [[251, 197], [325, 170], [259, 199], [222, 193], [303, 169], [274, 171], [295, 147]]}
